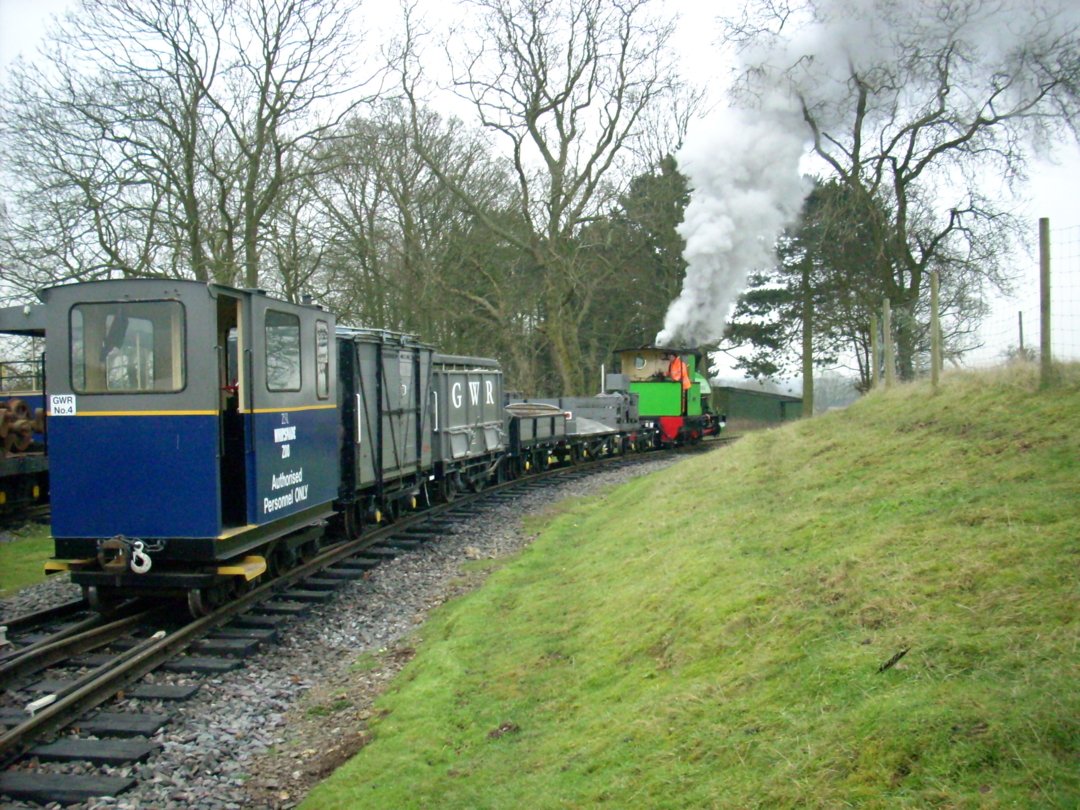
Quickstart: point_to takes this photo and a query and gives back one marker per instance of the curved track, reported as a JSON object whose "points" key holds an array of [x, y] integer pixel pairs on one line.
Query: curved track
{"points": [[145, 640]]}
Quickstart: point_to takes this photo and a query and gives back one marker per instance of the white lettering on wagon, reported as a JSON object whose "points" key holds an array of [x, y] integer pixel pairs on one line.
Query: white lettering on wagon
{"points": [[282, 480], [296, 495], [455, 394], [287, 479], [474, 391], [283, 435], [280, 502]]}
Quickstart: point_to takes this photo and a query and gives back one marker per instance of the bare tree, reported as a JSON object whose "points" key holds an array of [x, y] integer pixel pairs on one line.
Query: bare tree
{"points": [[565, 85], [911, 106], [392, 223], [159, 138]]}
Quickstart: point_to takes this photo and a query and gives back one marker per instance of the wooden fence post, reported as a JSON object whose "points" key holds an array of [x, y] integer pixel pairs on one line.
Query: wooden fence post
{"points": [[935, 333], [1045, 360], [875, 354]]}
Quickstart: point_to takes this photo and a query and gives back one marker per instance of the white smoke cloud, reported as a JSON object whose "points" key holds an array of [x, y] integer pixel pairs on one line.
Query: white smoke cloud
{"points": [[743, 165], [743, 168]]}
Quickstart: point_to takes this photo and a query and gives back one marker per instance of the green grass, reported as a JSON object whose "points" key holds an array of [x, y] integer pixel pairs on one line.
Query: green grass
{"points": [[711, 636], [22, 561]]}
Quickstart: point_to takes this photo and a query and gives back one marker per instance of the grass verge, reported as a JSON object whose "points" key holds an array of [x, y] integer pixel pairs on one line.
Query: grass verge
{"points": [[22, 559], [720, 634]]}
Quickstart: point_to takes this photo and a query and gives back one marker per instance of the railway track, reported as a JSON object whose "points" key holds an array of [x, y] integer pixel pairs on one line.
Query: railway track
{"points": [[38, 705], [33, 621], [19, 516]]}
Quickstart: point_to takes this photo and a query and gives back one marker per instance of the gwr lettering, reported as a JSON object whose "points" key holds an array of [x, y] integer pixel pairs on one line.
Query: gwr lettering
{"points": [[474, 393], [62, 405]]}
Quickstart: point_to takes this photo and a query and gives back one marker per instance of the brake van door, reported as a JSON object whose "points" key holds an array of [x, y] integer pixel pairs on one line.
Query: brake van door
{"points": [[292, 461]]}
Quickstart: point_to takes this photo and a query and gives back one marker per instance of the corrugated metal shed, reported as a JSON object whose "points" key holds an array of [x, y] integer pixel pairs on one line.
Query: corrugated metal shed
{"points": [[749, 409]]}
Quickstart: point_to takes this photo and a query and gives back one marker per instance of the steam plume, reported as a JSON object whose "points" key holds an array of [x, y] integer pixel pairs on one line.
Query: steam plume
{"points": [[743, 165], [744, 176]]}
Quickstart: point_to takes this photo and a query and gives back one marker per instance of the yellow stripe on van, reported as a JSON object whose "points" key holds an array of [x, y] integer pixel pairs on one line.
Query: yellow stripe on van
{"points": [[326, 407], [136, 413]]}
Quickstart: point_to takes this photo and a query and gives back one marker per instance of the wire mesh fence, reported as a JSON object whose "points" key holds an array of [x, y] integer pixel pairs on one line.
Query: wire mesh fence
{"points": [[1013, 328]]}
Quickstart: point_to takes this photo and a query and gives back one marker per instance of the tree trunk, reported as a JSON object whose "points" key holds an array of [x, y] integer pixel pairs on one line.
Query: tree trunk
{"points": [[807, 343], [906, 341], [562, 338]]}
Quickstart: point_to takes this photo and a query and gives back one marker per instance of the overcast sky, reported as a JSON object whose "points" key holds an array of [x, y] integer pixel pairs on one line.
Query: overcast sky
{"points": [[1053, 188], [23, 22]]}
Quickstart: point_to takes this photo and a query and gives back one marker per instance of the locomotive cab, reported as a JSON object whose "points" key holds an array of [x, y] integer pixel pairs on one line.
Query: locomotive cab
{"points": [[189, 426], [671, 392]]}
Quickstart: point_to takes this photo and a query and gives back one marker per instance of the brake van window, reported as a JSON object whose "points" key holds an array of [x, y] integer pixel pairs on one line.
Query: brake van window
{"points": [[322, 359], [127, 347], [282, 351]]}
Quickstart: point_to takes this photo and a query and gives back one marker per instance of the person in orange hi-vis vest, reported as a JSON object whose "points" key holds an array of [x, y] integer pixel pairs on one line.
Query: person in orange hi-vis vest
{"points": [[679, 372]]}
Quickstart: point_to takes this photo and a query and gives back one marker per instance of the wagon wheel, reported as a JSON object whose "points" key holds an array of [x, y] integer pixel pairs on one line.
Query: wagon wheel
{"points": [[310, 550], [199, 602], [478, 482], [241, 586], [204, 601], [352, 524], [391, 510], [102, 599], [281, 559], [446, 490]]}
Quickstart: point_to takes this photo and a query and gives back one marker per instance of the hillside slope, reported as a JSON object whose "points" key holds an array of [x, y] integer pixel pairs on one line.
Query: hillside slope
{"points": [[714, 635]]}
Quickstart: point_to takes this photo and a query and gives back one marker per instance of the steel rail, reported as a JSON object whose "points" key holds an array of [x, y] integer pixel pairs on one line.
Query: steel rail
{"points": [[37, 657], [28, 620], [89, 623], [133, 664], [128, 668]]}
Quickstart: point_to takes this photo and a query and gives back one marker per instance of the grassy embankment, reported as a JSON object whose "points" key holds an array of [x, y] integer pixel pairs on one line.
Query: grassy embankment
{"points": [[22, 560], [712, 635]]}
